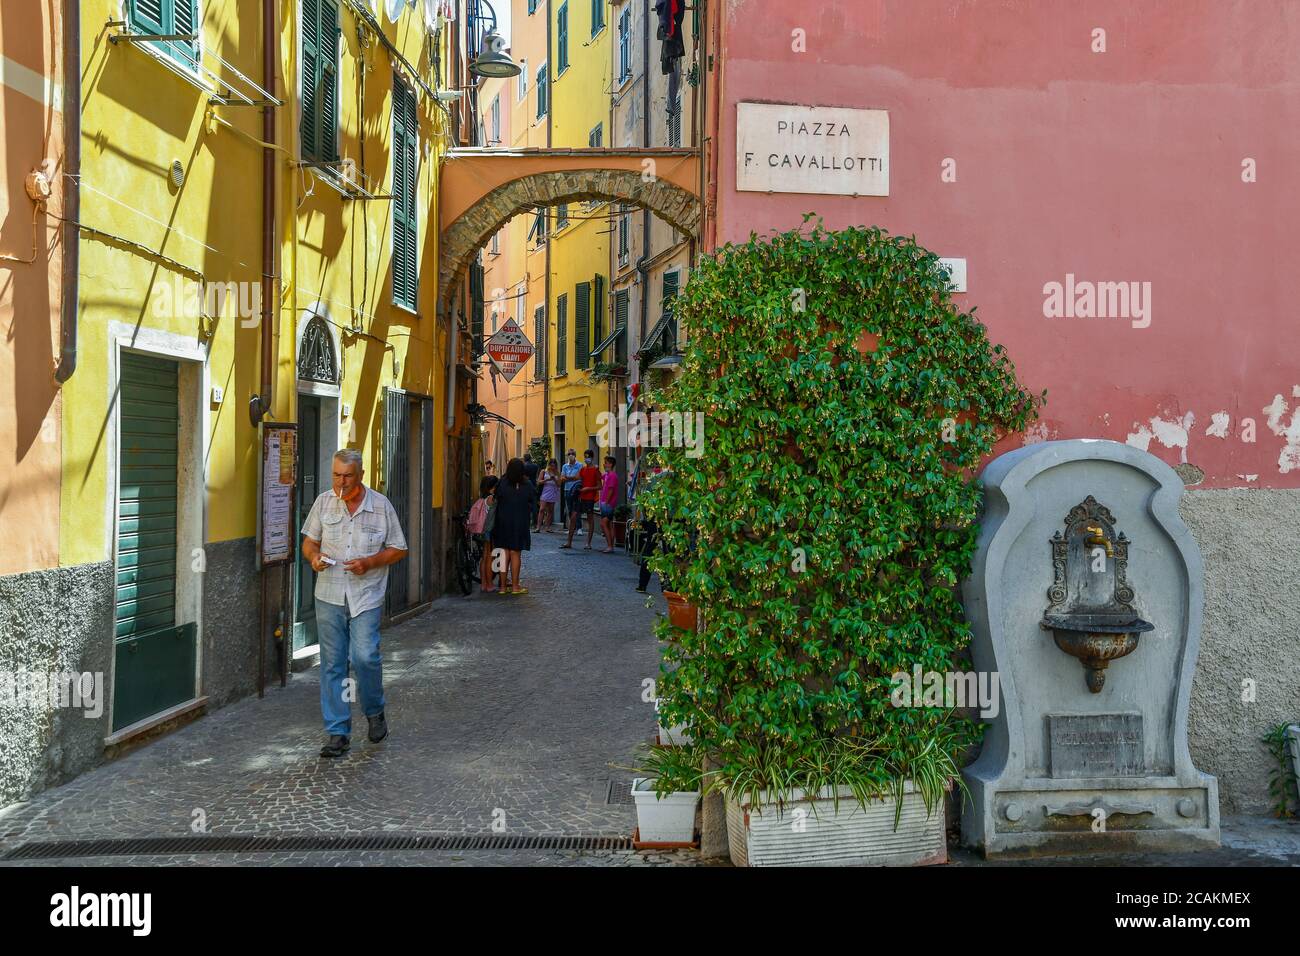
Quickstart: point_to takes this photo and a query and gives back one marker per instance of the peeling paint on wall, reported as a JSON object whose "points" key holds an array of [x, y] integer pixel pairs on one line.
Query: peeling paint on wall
{"points": [[1037, 432], [1289, 458], [1171, 432], [1218, 427]]}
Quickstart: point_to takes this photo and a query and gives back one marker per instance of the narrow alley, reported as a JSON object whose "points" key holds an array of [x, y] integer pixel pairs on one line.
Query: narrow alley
{"points": [[505, 710]]}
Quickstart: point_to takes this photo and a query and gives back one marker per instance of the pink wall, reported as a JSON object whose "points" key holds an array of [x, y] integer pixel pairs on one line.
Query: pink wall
{"points": [[1123, 165]]}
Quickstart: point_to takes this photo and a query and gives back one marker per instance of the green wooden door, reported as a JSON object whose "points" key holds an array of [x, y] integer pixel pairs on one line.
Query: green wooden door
{"points": [[154, 657], [310, 486]]}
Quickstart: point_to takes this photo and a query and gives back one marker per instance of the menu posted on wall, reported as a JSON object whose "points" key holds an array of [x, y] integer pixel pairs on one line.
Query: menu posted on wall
{"points": [[788, 148], [510, 349], [279, 468]]}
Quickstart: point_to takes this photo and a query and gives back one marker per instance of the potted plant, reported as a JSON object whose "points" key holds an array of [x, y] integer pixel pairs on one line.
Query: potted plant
{"points": [[824, 532], [665, 816], [621, 514]]}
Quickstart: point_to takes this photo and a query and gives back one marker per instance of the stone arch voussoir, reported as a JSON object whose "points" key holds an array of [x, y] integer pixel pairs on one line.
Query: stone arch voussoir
{"points": [[469, 233]]}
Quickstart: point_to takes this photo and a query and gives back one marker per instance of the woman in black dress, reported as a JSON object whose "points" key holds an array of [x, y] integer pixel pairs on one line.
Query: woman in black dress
{"points": [[515, 495]]}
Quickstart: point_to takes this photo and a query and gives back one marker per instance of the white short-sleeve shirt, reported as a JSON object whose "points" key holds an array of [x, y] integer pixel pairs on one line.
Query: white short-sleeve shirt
{"points": [[343, 536]]}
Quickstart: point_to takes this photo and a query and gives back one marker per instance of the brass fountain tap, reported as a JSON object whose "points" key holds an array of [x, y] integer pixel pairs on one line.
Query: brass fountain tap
{"points": [[1097, 539]]}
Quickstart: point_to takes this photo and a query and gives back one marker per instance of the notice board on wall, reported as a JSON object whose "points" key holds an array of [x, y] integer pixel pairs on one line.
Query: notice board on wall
{"points": [[275, 539]]}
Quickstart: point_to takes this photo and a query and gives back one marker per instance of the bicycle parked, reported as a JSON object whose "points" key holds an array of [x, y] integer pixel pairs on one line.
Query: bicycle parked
{"points": [[469, 554]]}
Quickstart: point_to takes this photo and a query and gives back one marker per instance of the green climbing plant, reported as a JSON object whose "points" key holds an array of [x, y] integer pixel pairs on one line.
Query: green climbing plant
{"points": [[824, 529]]}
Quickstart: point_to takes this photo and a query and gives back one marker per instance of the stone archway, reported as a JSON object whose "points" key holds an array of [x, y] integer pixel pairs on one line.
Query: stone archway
{"points": [[527, 179]]}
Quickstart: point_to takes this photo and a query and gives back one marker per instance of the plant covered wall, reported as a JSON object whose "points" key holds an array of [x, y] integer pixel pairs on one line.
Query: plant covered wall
{"points": [[847, 405]]}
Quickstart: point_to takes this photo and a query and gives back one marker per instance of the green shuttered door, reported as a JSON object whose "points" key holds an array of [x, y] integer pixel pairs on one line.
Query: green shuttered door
{"points": [[155, 658]]}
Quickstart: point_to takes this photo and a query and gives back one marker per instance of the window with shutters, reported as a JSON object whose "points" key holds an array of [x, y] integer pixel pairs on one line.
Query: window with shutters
{"points": [[541, 91], [596, 138], [406, 256], [621, 299], [523, 80], [624, 228], [320, 80], [597, 308], [532, 7], [675, 120], [562, 334], [582, 325], [672, 282], [164, 18], [537, 232], [562, 37], [539, 339], [561, 216], [597, 16], [496, 120], [625, 44]]}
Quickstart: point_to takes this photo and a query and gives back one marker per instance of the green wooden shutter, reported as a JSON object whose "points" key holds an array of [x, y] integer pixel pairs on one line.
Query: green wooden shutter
{"points": [[146, 515], [539, 340], [562, 28], [148, 16], [582, 325], [185, 18], [154, 658], [329, 86], [620, 321], [561, 335], [405, 224], [310, 79], [671, 280], [597, 309]]}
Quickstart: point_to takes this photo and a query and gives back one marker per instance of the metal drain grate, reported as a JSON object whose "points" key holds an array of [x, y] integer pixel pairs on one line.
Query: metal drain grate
{"points": [[169, 846], [619, 792]]}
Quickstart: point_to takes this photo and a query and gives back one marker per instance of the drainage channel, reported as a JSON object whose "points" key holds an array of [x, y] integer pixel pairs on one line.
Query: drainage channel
{"points": [[171, 846]]}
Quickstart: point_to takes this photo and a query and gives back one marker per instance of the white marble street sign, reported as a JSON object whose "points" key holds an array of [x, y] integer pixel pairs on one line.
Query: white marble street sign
{"points": [[812, 149]]}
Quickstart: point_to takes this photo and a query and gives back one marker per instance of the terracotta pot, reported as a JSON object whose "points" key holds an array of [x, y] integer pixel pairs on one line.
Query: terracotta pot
{"points": [[681, 612], [867, 343]]}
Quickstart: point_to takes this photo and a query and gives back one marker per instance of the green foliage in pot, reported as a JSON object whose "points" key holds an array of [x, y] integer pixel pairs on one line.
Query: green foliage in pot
{"points": [[539, 450], [833, 509]]}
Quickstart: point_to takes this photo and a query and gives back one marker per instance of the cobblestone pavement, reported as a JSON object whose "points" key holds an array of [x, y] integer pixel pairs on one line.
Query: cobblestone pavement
{"points": [[509, 705], [506, 709]]}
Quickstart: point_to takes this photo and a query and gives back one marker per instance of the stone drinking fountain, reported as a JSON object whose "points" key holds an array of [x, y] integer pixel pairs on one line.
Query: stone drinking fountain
{"points": [[1091, 614], [1097, 761]]}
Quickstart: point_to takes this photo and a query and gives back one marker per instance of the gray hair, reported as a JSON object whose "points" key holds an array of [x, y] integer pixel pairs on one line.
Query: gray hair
{"points": [[349, 456]]}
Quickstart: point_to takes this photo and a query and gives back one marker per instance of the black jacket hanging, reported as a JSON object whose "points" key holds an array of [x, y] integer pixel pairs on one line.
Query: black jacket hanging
{"points": [[670, 13]]}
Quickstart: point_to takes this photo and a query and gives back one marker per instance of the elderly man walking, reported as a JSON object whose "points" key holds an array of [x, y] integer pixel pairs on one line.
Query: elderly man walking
{"points": [[351, 537]]}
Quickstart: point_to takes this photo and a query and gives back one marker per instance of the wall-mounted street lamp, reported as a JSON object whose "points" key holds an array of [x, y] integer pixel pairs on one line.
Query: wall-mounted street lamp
{"points": [[492, 59]]}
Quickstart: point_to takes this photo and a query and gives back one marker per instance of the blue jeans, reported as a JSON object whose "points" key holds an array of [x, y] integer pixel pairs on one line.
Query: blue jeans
{"points": [[341, 638]]}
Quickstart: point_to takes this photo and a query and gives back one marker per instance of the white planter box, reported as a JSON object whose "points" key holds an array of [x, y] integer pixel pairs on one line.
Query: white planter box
{"points": [[667, 819], [674, 736], [852, 836]]}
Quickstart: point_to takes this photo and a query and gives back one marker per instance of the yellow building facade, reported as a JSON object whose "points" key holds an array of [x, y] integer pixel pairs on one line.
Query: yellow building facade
{"points": [[579, 268], [191, 343]]}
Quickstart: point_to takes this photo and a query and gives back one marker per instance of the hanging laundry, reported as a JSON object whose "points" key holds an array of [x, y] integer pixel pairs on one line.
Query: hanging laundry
{"points": [[670, 13]]}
